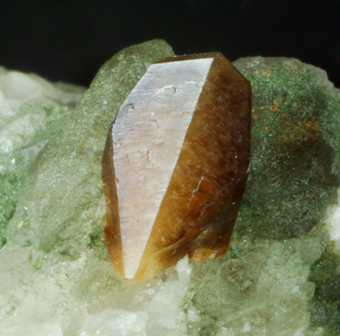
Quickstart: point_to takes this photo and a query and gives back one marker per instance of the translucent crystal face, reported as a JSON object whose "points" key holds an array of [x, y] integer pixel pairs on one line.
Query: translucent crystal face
{"points": [[175, 163], [148, 135]]}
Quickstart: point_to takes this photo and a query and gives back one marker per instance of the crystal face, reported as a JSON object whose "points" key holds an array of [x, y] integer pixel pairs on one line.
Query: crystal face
{"points": [[175, 164]]}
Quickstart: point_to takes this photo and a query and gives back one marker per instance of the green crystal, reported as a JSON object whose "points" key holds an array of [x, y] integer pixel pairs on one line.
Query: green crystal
{"points": [[295, 151], [9, 185]]}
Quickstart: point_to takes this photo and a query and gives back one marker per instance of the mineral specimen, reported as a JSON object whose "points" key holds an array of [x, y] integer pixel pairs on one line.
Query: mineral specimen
{"points": [[175, 164], [279, 276]]}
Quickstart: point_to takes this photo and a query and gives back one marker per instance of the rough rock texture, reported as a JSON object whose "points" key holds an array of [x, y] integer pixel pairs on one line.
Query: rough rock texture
{"points": [[281, 274], [29, 106], [175, 165], [295, 144]]}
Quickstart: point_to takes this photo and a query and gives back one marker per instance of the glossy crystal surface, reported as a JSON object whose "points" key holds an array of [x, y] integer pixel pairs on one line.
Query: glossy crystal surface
{"points": [[175, 164]]}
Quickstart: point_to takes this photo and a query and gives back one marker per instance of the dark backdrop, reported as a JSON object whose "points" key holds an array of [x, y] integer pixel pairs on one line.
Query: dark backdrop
{"points": [[69, 40]]}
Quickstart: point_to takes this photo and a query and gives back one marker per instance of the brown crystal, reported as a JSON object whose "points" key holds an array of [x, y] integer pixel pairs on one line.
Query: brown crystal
{"points": [[199, 205]]}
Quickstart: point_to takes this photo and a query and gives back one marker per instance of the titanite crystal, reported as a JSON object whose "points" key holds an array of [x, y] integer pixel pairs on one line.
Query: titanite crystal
{"points": [[175, 164]]}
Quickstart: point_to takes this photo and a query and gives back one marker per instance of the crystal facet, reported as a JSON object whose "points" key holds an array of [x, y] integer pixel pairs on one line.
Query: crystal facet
{"points": [[175, 164]]}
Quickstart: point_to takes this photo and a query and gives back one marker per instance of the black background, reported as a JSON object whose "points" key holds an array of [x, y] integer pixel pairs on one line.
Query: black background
{"points": [[70, 40]]}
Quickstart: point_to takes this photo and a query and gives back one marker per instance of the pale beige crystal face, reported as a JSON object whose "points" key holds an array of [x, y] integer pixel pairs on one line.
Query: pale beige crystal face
{"points": [[148, 135], [175, 165]]}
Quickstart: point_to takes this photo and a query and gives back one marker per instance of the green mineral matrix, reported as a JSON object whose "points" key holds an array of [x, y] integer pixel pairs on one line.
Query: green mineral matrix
{"points": [[280, 275]]}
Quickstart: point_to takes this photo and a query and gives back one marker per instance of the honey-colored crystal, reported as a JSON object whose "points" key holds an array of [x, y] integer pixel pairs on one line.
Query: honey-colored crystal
{"points": [[175, 165]]}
